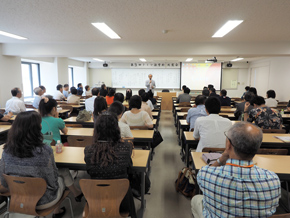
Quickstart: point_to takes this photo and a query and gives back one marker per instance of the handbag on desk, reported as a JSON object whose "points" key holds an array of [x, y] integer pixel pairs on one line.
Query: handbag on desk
{"points": [[157, 138], [84, 116]]}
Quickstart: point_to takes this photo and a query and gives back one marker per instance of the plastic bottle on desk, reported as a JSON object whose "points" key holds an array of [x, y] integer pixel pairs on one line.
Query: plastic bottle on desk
{"points": [[282, 112], [58, 147]]}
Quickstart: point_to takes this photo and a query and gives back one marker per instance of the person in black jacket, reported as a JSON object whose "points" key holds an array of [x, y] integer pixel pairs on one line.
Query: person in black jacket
{"points": [[225, 100], [103, 90]]}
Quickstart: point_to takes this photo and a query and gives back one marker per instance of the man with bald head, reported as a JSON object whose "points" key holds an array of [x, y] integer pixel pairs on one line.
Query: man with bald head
{"points": [[150, 84], [234, 186]]}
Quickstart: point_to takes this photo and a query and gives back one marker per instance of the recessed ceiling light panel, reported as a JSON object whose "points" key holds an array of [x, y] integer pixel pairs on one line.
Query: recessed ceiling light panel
{"points": [[237, 59], [12, 35], [97, 59], [188, 59], [227, 27], [142, 59], [106, 30]]}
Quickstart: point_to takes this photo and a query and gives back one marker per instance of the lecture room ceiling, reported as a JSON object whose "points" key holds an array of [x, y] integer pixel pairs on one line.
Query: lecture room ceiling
{"points": [[189, 22]]}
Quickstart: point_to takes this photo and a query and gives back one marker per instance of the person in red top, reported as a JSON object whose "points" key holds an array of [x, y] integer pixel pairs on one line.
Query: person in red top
{"points": [[110, 96]]}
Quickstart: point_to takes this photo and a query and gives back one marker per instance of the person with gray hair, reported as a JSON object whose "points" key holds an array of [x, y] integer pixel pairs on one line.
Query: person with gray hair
{"points": [[38, 93], [234, 186], [150, 84]]}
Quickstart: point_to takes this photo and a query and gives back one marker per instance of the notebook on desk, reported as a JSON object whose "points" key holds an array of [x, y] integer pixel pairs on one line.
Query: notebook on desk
{"points": [[210, 158], [283, 138]]}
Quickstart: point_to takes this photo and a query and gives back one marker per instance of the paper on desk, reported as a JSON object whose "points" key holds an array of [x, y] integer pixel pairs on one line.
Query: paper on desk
{"points": [[283, 138]]}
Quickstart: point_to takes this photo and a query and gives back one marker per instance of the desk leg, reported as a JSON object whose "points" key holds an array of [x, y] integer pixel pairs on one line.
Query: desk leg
{"points": [[143, 201], [187, 155]]}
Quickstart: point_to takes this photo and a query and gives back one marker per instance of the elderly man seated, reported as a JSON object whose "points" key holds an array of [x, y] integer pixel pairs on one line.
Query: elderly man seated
{"points": [[234, 186]]}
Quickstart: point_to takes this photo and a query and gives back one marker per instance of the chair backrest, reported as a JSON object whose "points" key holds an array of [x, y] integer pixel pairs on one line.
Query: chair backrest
{"points": [[226, 106], [273, 151], [79, 141], [25, 193], [74, 125], [216, 150], [104, 196], [5, 123], [184, 104], [165, 90], [184, 116], [139, 127], [185, 109], [274, 130], [285, 215]]}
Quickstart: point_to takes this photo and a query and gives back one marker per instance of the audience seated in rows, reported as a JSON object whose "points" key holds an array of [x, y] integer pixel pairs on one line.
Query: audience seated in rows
{"points": [[103, 90], [149, 103], [118, 108], [249, 96], [145, 106], [43, 90], [110, 96], [182, 90], [270, 100], [264, 117], [225, 100], [73, 98], [136, 117], [197, 111], [128, 95], [210, 129], [109, 157], [100, 105], [152, 100], [246, 91], [80, 89], [210, 86], [66, 91], [253, 90], [38, 93], [89, 103], [5, 118], [15, 104], [205, 92], [58, 94], [212, 92], [235, 186], [186, 97], [88, 90], [119, 97]]}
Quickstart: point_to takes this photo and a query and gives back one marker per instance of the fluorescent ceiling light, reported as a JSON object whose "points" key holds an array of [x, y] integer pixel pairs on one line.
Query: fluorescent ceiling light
{"points": [[237, 59], [106, 30], [142, 59], [11, 35], [227, 27], [96, 59], [188, 59]]}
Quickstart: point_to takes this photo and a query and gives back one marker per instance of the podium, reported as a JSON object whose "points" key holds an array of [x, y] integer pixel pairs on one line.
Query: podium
{"points": [[166, 103]]}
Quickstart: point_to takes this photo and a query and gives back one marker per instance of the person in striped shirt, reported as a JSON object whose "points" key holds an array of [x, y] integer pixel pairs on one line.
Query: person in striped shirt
{"points": [[234, 186]]}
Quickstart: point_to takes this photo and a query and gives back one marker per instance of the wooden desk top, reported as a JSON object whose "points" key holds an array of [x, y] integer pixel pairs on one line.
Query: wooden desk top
{"points": [[184, 122], [276, 163], [154, 113], [77, 106], [4, 128], [74, 120], [181, 114], [143, 134], [286, 116], [228, 110]]}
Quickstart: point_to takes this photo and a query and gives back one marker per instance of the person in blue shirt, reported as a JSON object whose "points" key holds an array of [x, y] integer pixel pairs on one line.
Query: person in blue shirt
{"points": [[80, 89], [197, 111]]}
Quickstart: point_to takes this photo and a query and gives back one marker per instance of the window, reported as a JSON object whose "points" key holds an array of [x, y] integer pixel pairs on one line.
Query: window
{"points": [[30, 78], [71, 76]]}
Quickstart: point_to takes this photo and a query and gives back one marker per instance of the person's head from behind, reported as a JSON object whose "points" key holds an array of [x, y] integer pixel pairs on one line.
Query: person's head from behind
{"points": [[119, 97], [187, 90], [210, 86], [95, 91], [59, 88], [47, 107], [66, 87], [271, 94], [247, 88], [253, 90], [100, 105], [128, 94], [71, 88], [106, 136], [223, 93], [43, 89], [103, 87], [243, 140], [117, 108], [87, 87], [135, 102], [205, 92], [183, 87], [80, 85], [141, 91], [212, 90], [150, 94], [73, 91], [249, 96], [16, 92], [25, 135], [213, 105], [145, 97], [150, 76], [38, 91], [200, 100], [258, 101], [111, 92]]}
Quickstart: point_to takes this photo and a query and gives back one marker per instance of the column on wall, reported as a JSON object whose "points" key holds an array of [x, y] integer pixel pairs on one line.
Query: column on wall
{"points": [[62, 70]]}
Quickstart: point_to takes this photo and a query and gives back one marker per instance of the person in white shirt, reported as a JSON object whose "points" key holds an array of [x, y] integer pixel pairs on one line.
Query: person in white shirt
{"points": [[210, 129], [88, 90], [89, 103], [118, 108], [58, 95], [270, 101], [66, 91], [15, 104], [150, 84], [73, 98], [38, 93], [145, 106]]}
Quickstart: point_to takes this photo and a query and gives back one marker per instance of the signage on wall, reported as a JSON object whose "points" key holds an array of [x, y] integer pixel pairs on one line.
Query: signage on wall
{"points": [[155, 65]]}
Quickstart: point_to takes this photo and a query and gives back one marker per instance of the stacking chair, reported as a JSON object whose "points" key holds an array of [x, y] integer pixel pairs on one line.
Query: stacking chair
{"points": [[274, 130], [286, 215], [185, 109], [79, 141], [184, 104], [25, 193], [139, 127], [104, 197]]}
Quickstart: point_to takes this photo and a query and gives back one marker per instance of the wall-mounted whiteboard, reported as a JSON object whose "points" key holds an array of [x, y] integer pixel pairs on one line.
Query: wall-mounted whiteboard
{"points": [[136, 78]]}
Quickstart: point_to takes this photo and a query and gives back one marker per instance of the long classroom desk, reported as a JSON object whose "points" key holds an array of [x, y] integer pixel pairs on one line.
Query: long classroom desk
{"points": [[73, 158]]}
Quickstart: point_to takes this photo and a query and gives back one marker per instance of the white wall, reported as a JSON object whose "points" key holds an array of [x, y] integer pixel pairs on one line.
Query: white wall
{"points": [[10, 74], [62, 70], [48, 75], [80, 76]]}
